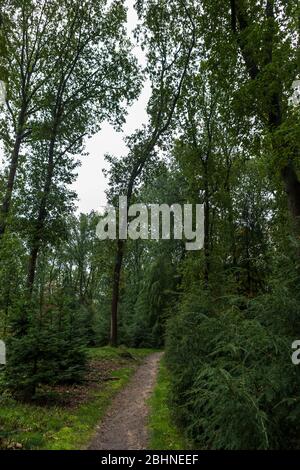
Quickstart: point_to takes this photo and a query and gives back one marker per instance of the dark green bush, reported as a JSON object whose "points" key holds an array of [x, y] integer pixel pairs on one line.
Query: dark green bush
{"points": [[48, 351]]}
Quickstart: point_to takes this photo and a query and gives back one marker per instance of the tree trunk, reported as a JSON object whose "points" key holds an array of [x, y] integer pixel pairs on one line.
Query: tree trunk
{"points": [[115, 294], [32, 267], [6, 203], [292, 189], [206, 245], [40, 223], [206, 236]]}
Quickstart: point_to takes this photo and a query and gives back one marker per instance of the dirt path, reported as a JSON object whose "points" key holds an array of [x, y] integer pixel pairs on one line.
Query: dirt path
{"points": [[125, 425]]}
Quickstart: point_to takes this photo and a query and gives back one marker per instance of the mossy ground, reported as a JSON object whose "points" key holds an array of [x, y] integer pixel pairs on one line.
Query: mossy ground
{"points": [[164, 433]]}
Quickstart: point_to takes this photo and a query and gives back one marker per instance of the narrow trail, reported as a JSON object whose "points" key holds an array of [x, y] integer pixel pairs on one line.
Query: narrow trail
{"points": [[125, 425]]}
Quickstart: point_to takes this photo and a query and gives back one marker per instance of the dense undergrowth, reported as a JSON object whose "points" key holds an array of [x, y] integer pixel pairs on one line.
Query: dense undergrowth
{"points": [[234, 385]]}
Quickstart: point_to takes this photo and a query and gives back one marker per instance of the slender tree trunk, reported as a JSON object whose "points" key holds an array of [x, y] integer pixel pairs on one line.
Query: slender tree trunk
{"points": [[36, 242], [232, 248], [206, 235], [7, 304], [206, 245], [115, 294], [292, 189], [248, 263], [32, 266], [6, 202], [40, 223], [81, 295]]}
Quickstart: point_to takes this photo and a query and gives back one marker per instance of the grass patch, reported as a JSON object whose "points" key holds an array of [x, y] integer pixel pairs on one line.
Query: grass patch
{"points": [[164, 434], [59, 428]]}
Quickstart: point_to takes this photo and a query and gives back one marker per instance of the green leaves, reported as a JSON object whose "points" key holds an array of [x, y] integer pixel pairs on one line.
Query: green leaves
{"points": [[230, 375]]}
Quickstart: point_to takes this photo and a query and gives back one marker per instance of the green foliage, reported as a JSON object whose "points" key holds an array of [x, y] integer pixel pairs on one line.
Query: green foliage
{"points": [[233, 381], [151, 305]]}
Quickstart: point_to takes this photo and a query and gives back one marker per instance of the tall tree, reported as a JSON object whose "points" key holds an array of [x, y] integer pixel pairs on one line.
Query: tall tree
{"points": [[259, 41], [266, 66], [93, 74], [30, 33], [169, 56]]}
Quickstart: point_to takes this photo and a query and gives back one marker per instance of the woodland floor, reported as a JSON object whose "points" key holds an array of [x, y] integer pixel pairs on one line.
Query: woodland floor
{"points": [[125, 426], [122, 404], [65, 417]]}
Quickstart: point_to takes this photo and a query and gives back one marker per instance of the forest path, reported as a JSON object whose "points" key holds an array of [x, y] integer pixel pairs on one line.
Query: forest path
{"points": [[125, 425]]}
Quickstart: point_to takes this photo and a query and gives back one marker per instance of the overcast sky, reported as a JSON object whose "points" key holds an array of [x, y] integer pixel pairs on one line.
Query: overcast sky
{"points": [[91, 184]]}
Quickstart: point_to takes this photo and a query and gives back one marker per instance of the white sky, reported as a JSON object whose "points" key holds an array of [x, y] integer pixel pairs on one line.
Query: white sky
{"points": [[91, 184]]}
